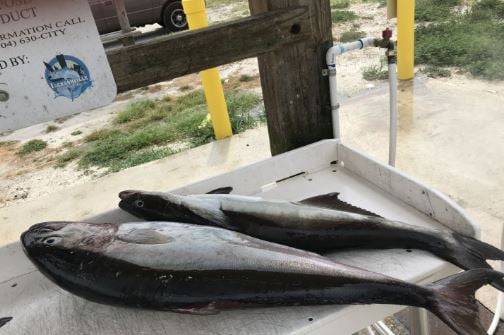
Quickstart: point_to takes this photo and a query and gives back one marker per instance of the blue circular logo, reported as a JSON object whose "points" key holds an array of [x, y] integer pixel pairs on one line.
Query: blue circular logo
{"points": [[67, 76]]}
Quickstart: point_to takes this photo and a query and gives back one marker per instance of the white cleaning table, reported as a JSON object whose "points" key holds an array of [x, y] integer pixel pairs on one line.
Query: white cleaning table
{"points": [[39, 307]]}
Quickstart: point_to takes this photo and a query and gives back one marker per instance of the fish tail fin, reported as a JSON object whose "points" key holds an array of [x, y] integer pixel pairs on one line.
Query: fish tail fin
{"points": [[473, 255], [453, 300]]}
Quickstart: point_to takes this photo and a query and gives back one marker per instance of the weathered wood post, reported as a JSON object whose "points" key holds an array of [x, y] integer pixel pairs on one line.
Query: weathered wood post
{"points": [[296, 93], [122, 16]]}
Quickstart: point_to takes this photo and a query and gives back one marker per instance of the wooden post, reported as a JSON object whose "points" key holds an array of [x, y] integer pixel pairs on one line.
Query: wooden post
{"points": [[122, 16], [296, 94]]}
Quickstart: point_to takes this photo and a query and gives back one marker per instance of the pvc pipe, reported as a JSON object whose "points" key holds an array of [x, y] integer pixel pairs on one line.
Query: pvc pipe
{"points": [[333, 86], [342, 48], [195, 11], [392, 70], [406, 39], [333, 92]]}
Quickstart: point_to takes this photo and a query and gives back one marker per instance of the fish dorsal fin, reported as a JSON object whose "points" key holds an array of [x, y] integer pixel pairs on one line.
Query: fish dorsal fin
{"points": [[332, 201], [144, 236], [222, 190]]}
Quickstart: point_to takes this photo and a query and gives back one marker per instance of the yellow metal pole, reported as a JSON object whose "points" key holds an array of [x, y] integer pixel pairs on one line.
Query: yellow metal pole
{"points": [[405, 39], [197, 18]]}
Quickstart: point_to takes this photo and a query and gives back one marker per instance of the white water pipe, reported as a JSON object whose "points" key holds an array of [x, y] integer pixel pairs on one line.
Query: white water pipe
{"points": [[333, 87], [331, 63], [392, 71]]}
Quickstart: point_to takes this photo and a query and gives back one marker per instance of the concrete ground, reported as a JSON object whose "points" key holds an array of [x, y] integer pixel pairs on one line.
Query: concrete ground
{"points": [[451, 137]]}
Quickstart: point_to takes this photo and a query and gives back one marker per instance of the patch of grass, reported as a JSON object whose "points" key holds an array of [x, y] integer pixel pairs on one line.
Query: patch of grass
{"points": [[185, 88], [436, 72], [122, 144], [473, 41], [375, 72], [352, 35], [183, 119], [434, 10], [99, 134], [76, 133], [68, 144], [343, 16], [340, 4], [244, 78], [32, 146], [71, 155], [140, 157], [135, 110], [51, 128], [487, 9]]}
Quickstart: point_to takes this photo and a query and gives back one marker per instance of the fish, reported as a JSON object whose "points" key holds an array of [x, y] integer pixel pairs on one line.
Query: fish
{"points": [[203, 270], [319, 224]]}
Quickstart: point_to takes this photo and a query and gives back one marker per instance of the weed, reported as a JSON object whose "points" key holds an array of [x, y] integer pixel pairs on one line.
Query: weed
{"points": [[99, 135], [343, 16], [471, 41], [51, 128], [244, 78], [32, 146], [76, 133], [436, 72], [140, 157], [340, 4], [352, 35], [135, 110], [434, 10], [487, 9], [183, 119], [121, 144], [63, 159], [185, 88], [375, 72]]}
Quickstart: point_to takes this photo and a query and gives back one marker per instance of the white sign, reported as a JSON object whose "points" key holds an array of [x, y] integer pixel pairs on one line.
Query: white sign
{"points": [[52, 62]]}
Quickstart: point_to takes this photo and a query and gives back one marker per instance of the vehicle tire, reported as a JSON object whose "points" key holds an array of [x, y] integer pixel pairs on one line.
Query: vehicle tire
{"points": [[174, 18]]}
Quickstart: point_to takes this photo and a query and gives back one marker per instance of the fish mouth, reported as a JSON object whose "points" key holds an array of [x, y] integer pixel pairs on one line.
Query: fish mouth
{"points": [[34, 233]]}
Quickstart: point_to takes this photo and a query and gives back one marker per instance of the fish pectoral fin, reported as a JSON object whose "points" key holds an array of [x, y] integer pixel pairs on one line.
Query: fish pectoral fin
{"points": [[209, 309], [332, 201], [222, 190], [144, 236]]}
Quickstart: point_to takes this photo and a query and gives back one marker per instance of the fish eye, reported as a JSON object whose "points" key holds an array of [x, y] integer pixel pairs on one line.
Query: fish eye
{"points": [[139, 203], [51, 240]]}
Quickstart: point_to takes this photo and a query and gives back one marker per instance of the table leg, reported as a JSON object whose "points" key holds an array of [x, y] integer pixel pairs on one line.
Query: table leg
{"points": [[419, 319]]}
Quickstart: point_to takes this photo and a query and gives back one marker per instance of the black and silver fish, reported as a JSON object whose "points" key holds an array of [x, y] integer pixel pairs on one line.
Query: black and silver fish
{"points": [[201, 270], [318, 224]]}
